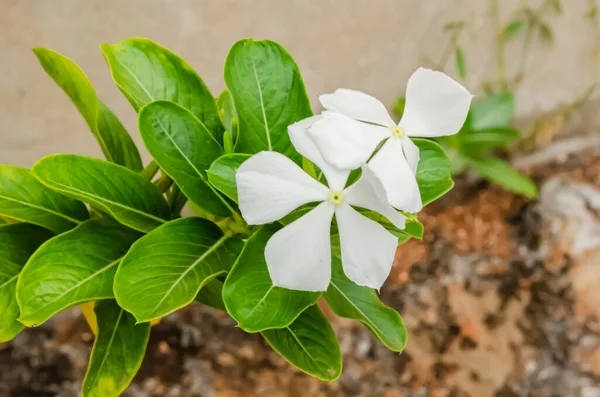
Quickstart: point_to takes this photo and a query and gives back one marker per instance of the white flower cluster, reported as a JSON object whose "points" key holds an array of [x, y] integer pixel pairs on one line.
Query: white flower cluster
{"points": [[346, 136]]}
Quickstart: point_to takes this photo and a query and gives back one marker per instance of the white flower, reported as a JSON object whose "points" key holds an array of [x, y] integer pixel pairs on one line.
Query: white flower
{"points": [[298, 256], [357, 123]]}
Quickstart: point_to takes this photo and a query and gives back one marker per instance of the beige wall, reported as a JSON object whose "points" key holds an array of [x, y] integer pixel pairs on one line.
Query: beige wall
{"points": [[372, 45]]}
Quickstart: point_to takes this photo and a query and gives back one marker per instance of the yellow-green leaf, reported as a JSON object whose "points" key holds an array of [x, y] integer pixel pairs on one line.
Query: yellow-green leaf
{"points": [[114, 140], [117, 353]]}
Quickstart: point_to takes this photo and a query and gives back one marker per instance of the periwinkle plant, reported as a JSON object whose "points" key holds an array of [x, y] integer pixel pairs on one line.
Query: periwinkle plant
{"points": [[109, 233]]}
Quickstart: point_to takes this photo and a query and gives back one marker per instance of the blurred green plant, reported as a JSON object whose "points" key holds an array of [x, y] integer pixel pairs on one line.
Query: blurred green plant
{"points": [[527, 23], [488, 130]]}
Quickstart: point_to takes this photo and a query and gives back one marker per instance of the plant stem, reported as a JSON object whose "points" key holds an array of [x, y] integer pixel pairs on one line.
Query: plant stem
{"points": [[163, 183], [529, 30], [150, 170], [499, 46], [176, 201], [449, 47], [580, 100], [533, 21]]}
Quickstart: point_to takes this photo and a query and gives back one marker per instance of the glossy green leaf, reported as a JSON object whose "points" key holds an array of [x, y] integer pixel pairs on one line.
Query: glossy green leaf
{"points": [[309, 344], [433, 171], [166, 268], [481, 140], [114, 140], [413, 229], [146, 72], [211, 294], [17, 242], [268, 93], [184, 149], [117, 353], [461, 66], [74, 267], [221, 173], [502, 173], [513, 29], [492, 111], [118, 191], [251, 298], [228, 113], [24, 198], [349, 300]]}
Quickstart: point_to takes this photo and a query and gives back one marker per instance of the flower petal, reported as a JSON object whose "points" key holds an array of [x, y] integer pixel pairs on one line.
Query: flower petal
{"points": [[368, 192], [411, 153], [399, 181], [299, 255], [305, 145], [436, 105], [367, 248], [344, 142], [358, 105], [271, 185]]}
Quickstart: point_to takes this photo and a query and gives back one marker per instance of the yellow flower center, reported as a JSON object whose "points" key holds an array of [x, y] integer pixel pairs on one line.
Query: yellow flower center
{"points": [[398, 132], [336, 197]]}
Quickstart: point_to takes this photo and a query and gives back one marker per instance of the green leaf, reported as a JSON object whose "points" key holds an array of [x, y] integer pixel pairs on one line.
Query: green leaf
{"points": [[309, 167], [211, 294], [309, 344], [251, 298], [118, 191], [114, 140], [556, 6], [24, 198], [433, 172], [228, 145], [513, 29], [117, 353], [454, 152], [399, 106], [166, 268], [145, 72], [493, 111], [17, 242], [228, 113], [453, 26], [268, 93], [75, 267], [184, 149], [546, 32], [592, 12], [413, 229], [221, 173], [461, 67], [349, 300], [502, 173], [477, 141]]}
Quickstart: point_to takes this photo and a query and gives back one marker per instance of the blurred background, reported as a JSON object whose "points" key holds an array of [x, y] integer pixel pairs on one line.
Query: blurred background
{"points": [[501, 297]]}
